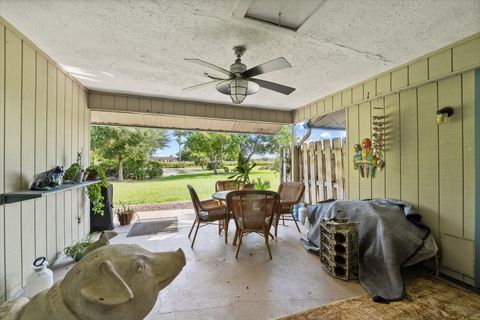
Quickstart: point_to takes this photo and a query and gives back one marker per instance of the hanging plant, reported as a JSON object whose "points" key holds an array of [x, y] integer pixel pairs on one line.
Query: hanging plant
{"points": [[94, 192]]}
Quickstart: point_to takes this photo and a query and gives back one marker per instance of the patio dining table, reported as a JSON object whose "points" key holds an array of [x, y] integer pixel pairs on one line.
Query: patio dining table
{"points": [[221, 195]]}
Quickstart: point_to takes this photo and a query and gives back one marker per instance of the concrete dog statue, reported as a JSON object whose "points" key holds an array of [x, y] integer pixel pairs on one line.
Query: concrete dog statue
{"points": [[119, 282]]}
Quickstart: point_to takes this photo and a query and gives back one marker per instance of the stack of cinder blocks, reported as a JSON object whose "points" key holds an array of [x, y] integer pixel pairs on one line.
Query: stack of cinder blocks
{"points": [[339, 248]]}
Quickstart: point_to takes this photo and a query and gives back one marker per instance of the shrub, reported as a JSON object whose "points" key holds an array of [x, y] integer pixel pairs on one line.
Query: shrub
{"points": [[183, 164], [264, 163], [110, 167], [154, 169], [135, 169], [220, 165]]}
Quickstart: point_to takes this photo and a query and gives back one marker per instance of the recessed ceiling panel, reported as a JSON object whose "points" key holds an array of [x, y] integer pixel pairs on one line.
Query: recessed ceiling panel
{"points": [[283, 13], [334, 120]]}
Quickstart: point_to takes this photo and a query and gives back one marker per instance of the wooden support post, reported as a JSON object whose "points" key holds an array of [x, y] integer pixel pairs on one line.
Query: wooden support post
{"points": [[294, 151]]}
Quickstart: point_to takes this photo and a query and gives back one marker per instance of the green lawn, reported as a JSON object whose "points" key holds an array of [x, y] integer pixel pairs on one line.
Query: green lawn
{"points": [[174, 188]]}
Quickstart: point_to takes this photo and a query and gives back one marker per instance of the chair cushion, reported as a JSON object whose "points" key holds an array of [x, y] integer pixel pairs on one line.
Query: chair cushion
{"points": [[240, 221], [285, 208], [213, 215]]}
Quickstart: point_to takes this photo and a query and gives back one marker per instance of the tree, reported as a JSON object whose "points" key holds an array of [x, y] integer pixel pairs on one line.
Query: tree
{"points": [[283, 138], [180, 137], [214, 146], [255, 144], [122, 143]]}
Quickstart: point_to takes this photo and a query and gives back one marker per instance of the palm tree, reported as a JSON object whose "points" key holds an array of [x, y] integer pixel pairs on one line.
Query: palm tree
{"points": [[180, 137]]}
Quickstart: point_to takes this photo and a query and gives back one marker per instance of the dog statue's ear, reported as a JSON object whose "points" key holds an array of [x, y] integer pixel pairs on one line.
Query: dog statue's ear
{"points": [[104, 240], [107, 287]]}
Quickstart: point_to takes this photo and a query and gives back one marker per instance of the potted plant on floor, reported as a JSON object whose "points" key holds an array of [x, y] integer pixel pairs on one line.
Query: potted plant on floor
{"points": [[77, 250], [125, 215], [243, 169], [262, 184]]}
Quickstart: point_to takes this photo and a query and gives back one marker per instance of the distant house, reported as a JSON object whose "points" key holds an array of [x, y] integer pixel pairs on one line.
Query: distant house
{"points": [[164, 159]]}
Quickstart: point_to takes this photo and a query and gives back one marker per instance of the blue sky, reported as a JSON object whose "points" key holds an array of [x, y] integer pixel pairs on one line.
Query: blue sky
{"points": [[317, 134], [172, 147]]}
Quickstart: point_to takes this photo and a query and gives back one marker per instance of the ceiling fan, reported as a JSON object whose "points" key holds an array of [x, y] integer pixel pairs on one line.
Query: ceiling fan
{"points": [[239, 81]]}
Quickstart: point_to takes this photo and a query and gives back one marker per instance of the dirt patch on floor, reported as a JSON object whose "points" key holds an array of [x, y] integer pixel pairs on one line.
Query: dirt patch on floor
{"points": [[160, 206]]}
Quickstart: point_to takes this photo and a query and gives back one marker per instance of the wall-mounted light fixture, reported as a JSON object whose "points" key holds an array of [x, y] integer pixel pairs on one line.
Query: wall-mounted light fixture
{"points": [[443, 115]]}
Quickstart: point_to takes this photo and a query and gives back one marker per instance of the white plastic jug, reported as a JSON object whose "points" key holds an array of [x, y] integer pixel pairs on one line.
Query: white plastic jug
{"points": [[40, 279], [303, 213]]}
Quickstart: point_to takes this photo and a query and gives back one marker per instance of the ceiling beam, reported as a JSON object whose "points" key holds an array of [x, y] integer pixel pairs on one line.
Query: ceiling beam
{"points": [[114, 102]]}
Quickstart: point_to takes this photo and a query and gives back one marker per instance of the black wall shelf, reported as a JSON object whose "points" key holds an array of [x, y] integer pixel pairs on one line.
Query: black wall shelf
{"points": [[12, 197]]}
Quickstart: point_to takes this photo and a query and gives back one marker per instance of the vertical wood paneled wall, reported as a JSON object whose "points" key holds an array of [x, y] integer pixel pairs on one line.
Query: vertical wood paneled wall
{"points": [[429, 166], [44, 122]]}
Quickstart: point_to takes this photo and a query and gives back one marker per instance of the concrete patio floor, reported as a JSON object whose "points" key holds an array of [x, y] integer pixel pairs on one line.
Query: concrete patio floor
{"points": [[215, 285]]}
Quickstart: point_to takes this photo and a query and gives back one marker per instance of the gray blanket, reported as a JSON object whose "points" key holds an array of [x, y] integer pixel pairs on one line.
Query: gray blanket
{"points": [[390, 232]]}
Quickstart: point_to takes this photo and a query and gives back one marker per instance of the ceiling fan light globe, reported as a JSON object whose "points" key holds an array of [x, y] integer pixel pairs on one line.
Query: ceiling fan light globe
{"points": [[238, 90]]}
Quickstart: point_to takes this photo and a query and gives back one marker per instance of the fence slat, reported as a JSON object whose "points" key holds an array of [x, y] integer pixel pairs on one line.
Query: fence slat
{"points": [[344, 166], [306, 177], [327, 147], [320, 171], [337, 154], [313, 175]]}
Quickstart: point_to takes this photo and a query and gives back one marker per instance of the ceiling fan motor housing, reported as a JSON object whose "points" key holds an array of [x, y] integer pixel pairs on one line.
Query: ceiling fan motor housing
{"points": [[238, 67]]}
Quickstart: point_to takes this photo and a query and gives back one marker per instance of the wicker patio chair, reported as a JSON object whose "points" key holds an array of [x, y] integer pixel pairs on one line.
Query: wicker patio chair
{"points": [[226, 185], [206, 212], [290, 193], [253, 211]]}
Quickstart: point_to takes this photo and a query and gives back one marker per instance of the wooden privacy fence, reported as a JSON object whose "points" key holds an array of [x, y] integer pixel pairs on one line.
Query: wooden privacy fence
{"points": [[285, 165], [321, 169]]}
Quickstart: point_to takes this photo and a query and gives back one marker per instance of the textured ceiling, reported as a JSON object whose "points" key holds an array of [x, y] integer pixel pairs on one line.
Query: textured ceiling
{"points": [[138, 46]]}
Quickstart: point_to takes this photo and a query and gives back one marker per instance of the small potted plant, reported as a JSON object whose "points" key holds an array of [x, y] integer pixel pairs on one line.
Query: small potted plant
{"points": [[125, 215], [262, 184], [93, 171], [71, 173], [243, 169], [77, 251], [75, 173]]}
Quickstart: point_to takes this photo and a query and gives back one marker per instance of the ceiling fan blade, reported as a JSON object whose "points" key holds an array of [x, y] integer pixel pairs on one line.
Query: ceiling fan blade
{"points": [[211, 66], [213, 77], [273, 65], [273, 86], [201, 85]]}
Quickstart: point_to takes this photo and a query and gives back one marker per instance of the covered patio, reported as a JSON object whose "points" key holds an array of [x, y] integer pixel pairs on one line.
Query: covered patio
{"points": [[404, 88], [215, 284]]}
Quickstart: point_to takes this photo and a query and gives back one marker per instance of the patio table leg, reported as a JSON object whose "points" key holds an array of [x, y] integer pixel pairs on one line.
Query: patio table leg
{"points": [[225, 228], [265, 233]]}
